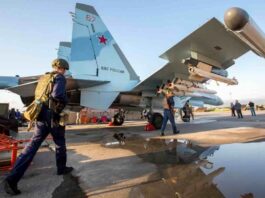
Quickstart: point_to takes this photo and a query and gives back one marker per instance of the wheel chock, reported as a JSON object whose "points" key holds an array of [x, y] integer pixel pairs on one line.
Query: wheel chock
{"points": [[149, 127]]}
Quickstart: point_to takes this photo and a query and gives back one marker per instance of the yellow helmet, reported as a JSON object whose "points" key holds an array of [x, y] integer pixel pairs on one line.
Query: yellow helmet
{"points": [[59, 62]]}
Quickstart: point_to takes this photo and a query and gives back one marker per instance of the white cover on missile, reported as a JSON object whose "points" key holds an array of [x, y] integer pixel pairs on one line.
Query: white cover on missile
{"points": [[209, 75]]}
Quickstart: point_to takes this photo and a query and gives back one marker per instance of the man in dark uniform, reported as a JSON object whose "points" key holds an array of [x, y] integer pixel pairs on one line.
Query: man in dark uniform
{"points": [[232, 107], [47, 122], [238, 107]]}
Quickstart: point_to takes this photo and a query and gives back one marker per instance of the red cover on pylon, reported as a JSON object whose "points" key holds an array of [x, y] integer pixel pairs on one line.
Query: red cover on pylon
{"points": [[111, 124], [149, 127], [94, 119]]}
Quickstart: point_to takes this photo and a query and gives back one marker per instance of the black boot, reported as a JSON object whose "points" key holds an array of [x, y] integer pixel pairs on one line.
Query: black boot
{"points": [[176, 132], [117, 137], [65, 171], [11, 188]]}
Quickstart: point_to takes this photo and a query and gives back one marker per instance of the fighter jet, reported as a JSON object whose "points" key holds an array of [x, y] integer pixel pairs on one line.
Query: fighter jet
{"points": [[101, 77]]}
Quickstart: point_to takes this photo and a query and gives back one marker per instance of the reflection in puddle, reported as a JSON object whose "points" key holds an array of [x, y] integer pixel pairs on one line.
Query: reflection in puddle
{"points": [[244, 169], [112, 143], [188, 170]]}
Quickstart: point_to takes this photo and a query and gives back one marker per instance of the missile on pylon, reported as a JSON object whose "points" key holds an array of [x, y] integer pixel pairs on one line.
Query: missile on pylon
{"points": [[199, 72], [184, 82], [184, 93], [201, 90], [181, 87], [242, 25]]}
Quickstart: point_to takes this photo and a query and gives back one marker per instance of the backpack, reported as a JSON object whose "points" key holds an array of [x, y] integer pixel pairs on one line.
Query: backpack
{"points": [[42, 94]]}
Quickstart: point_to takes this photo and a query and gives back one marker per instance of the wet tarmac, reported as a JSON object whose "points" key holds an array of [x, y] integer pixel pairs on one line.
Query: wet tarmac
{"points": [[144, 164], [244, 169], [188, 170]]}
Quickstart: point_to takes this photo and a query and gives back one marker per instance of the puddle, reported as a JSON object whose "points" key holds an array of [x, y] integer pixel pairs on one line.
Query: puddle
{"points": [[244, 169], [113, 143], [188, 170], [199, 121], [82, 134]]}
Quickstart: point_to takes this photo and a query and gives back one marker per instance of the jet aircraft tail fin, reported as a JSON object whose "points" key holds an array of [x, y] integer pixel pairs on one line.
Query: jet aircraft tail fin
{"points": [[64, 51], [94, 50], [95, 55]]}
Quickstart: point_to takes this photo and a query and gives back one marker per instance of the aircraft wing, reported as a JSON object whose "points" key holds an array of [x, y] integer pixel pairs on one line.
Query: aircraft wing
{"points": [[28, 79], [11, 81], [212, 43], [28, 89]]}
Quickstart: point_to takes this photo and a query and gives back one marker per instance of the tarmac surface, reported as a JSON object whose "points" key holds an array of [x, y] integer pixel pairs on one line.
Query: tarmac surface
{"points": [[214, 156]]}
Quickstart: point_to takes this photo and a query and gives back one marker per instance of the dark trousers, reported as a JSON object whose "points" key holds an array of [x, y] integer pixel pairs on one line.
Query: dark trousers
{"points": [[233, 113], [168, 115], [239, 113], [252, 109], [41, 132]]}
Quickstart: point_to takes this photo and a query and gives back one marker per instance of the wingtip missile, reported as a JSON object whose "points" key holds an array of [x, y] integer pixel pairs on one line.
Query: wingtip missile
{"points": [[236, 18], [242, 25]]}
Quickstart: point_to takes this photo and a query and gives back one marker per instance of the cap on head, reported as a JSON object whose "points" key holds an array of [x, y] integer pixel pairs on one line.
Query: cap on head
{"points": [[59, 62]]}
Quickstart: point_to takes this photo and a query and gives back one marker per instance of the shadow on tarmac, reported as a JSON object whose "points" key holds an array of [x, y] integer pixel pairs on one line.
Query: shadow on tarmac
{"points": [[69, 188]]}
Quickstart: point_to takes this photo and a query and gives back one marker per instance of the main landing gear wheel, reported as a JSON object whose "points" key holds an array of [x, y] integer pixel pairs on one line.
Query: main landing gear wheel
{"points": [[186, 118], [156, 119], [118, 119]]}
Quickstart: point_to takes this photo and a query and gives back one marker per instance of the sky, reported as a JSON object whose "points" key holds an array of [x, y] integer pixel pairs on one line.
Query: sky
{"points": [[32, 29]]}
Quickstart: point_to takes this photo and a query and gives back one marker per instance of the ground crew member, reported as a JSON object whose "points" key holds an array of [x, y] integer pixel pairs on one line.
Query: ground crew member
{"points": [[232, 107], [252, 108], [238, 109], [47, 122], [168, 105], [190, 109]]}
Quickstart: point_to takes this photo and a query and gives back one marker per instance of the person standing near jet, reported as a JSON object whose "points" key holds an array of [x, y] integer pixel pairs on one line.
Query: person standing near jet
{"points": [[232, 107], [190, 109], [252, 108], [238, 107], [168, 105], [47, 122], [12, 114]]}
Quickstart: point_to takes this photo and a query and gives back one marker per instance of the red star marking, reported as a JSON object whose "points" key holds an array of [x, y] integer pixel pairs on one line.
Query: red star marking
{"points": [[102, 39]]}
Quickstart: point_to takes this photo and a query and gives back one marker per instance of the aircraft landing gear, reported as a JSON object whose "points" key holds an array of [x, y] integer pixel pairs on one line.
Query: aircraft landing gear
{"points": [[118, 118], [185, 119], [186, 116], [156, 119]]}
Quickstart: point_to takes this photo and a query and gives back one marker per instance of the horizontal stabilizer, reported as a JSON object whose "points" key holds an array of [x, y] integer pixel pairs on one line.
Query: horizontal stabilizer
{"points": [[8, 81], [28, 89], [24, 90]]}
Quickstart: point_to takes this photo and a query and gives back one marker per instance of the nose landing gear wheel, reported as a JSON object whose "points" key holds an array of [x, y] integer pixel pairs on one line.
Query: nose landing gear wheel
{"points": [[156, 119], [118, 119]]}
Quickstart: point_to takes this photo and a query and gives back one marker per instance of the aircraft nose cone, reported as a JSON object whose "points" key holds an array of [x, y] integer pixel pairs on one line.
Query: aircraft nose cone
{"points": [[236, 18], [221, 102]]}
